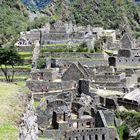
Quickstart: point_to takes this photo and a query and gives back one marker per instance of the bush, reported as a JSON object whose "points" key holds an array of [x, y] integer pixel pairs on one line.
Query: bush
{"points": [[137, 137], [123, 131], [41, 64]]}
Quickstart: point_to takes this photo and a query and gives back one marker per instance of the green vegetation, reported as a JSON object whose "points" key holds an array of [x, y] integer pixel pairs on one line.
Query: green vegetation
{"points": [[9, 56], [64, 44], [25, 53], [123, 132], [78, 48], [21, 83], [107, 13], [41, 63], [137, 137], [13, 20], [132, 118], [11, 109], [36, 103]]}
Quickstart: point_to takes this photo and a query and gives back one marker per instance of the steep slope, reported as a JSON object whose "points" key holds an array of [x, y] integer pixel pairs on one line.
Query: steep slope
{"points": [[111, 14], [107, 13], [13, 19], [36, 4]]}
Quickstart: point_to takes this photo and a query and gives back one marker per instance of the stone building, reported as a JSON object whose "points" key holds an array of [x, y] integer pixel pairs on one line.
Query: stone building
{"points": [[23, 42], [128, 57], [127, 42], [117, 81], [69, 116], [88, 59], [47, 80], [75, 73]]}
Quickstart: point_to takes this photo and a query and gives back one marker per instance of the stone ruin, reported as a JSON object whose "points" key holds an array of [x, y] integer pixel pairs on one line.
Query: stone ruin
{"points": [[28, 128], [71, 108], [70, 116]]}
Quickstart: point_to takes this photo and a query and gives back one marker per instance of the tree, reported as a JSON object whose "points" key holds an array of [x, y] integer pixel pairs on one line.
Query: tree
{"points": [[126, 132], [137, 137], [9, 57]]}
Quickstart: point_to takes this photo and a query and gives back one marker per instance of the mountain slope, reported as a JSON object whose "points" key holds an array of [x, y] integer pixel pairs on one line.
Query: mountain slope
{"points": [[13, 19], [111, 14], [107, 13], [36, 4]]}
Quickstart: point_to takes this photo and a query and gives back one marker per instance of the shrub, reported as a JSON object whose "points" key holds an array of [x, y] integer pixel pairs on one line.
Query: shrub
{"points": [[41, 63]]}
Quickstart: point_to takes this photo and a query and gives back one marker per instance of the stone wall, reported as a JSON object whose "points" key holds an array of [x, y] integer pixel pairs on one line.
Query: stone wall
{"points": [[88, 134], [18, 71], [45, 74], [45, 86], [128, 61], [110, 77], [28, 128], [25, 48], [126, 41], [129, 104], [73, 73], [78, 55], [131, 80], [108, 103], [53, 134]]}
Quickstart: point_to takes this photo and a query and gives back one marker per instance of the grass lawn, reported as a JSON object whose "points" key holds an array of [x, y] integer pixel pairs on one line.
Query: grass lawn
{"points": [[10, 110]]}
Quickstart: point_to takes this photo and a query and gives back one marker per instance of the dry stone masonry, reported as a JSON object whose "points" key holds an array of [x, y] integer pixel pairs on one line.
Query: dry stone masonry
{"points": [[77, 93]]}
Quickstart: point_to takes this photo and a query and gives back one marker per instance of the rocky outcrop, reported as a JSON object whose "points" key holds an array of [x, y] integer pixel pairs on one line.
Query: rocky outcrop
{"points": [[28, 127]]}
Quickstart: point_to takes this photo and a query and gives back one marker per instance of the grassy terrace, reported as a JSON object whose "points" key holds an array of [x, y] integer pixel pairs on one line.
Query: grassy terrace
{"points": [[81, 59], [11, 109], [60, 45], [45, 51], [20, 67], [26, 55], [128, 67], [17, 77]]}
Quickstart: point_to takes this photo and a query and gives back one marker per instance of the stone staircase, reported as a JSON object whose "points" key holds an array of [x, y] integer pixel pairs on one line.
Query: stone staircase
{"points": [[36, 53]]}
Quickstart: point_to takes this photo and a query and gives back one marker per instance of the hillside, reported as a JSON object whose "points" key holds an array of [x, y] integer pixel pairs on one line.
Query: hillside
{"points": [[13, 19], [11, 99], [107, 13]]}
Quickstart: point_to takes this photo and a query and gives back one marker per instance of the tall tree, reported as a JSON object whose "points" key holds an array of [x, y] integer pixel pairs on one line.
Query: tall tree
{"points": [[9, 57]]}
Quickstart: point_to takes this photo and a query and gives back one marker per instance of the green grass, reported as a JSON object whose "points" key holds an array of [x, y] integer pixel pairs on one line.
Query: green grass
{"points": [[11, 109], [36, 103], [16, 77], [127, 67], [60, 45], [27, 58], [25, 53], [74, 52], [132, 118], [108, 51], [20, 83], [82, 59], [19, 67]]}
